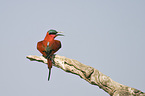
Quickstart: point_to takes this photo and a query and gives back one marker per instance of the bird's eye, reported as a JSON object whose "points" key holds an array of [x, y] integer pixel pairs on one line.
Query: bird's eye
{"points": [[52, 33]]}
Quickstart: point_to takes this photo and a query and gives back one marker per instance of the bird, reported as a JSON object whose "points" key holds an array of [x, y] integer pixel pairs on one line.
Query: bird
{"points": [[49, 46]]}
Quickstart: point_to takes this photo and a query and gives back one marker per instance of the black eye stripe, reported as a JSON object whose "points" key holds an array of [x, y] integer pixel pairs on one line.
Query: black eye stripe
{"points": [[52, 33]]}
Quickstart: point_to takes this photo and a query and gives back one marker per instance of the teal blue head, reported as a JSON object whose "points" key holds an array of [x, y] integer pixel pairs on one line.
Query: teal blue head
{"points": [[54, 32]]}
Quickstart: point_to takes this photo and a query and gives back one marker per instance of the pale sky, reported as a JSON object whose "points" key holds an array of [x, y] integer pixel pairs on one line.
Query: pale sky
{"points": [[108, 35]]}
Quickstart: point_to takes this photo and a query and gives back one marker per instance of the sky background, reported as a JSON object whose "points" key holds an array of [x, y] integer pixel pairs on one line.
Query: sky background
{"points": [[108, 35]]}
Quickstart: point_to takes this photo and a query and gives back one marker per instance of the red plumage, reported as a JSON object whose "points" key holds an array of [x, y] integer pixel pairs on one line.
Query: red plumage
{"points": [[49, 46]]}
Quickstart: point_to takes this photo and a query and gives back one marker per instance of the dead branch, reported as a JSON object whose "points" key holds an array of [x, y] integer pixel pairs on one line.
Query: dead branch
{"points": [[90, 74]]}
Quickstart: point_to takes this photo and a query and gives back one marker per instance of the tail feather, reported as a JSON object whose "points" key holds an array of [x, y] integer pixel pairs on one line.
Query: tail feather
{"points": [[49, 74], [49, 67]]}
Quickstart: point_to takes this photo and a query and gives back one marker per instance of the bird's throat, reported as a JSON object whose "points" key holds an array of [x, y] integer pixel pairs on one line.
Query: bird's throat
{"points": [[49, 38]]}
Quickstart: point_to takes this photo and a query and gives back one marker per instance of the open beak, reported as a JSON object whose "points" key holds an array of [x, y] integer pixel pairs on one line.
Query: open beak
{"points": [[59, 34]]}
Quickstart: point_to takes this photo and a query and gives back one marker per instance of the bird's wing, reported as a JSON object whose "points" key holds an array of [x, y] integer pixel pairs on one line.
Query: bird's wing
{"points": [[41, 47], [52, 48]]}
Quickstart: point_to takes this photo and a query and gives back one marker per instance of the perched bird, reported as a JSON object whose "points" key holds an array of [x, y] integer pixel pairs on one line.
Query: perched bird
{"points": [[49, 46]]}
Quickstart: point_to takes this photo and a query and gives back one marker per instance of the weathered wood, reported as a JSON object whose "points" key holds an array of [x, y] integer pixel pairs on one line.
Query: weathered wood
{"points": [[90, 74]]}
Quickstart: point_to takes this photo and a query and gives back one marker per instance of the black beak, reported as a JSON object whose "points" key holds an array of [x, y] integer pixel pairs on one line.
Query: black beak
{"points": [[59, 34]]}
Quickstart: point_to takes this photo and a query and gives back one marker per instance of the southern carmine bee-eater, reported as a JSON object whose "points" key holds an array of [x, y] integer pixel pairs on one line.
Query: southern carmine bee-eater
{"points": [[49, 46]]}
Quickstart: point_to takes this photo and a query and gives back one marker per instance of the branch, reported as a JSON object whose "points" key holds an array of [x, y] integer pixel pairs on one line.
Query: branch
{"points": [[90, 74]]}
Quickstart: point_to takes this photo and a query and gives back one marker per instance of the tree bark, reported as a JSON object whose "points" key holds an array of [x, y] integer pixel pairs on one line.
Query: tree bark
{"points": [[90, 74]]}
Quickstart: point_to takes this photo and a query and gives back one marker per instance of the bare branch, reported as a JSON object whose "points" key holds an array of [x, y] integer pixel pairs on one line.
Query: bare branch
{"points": [[90, 74]]}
